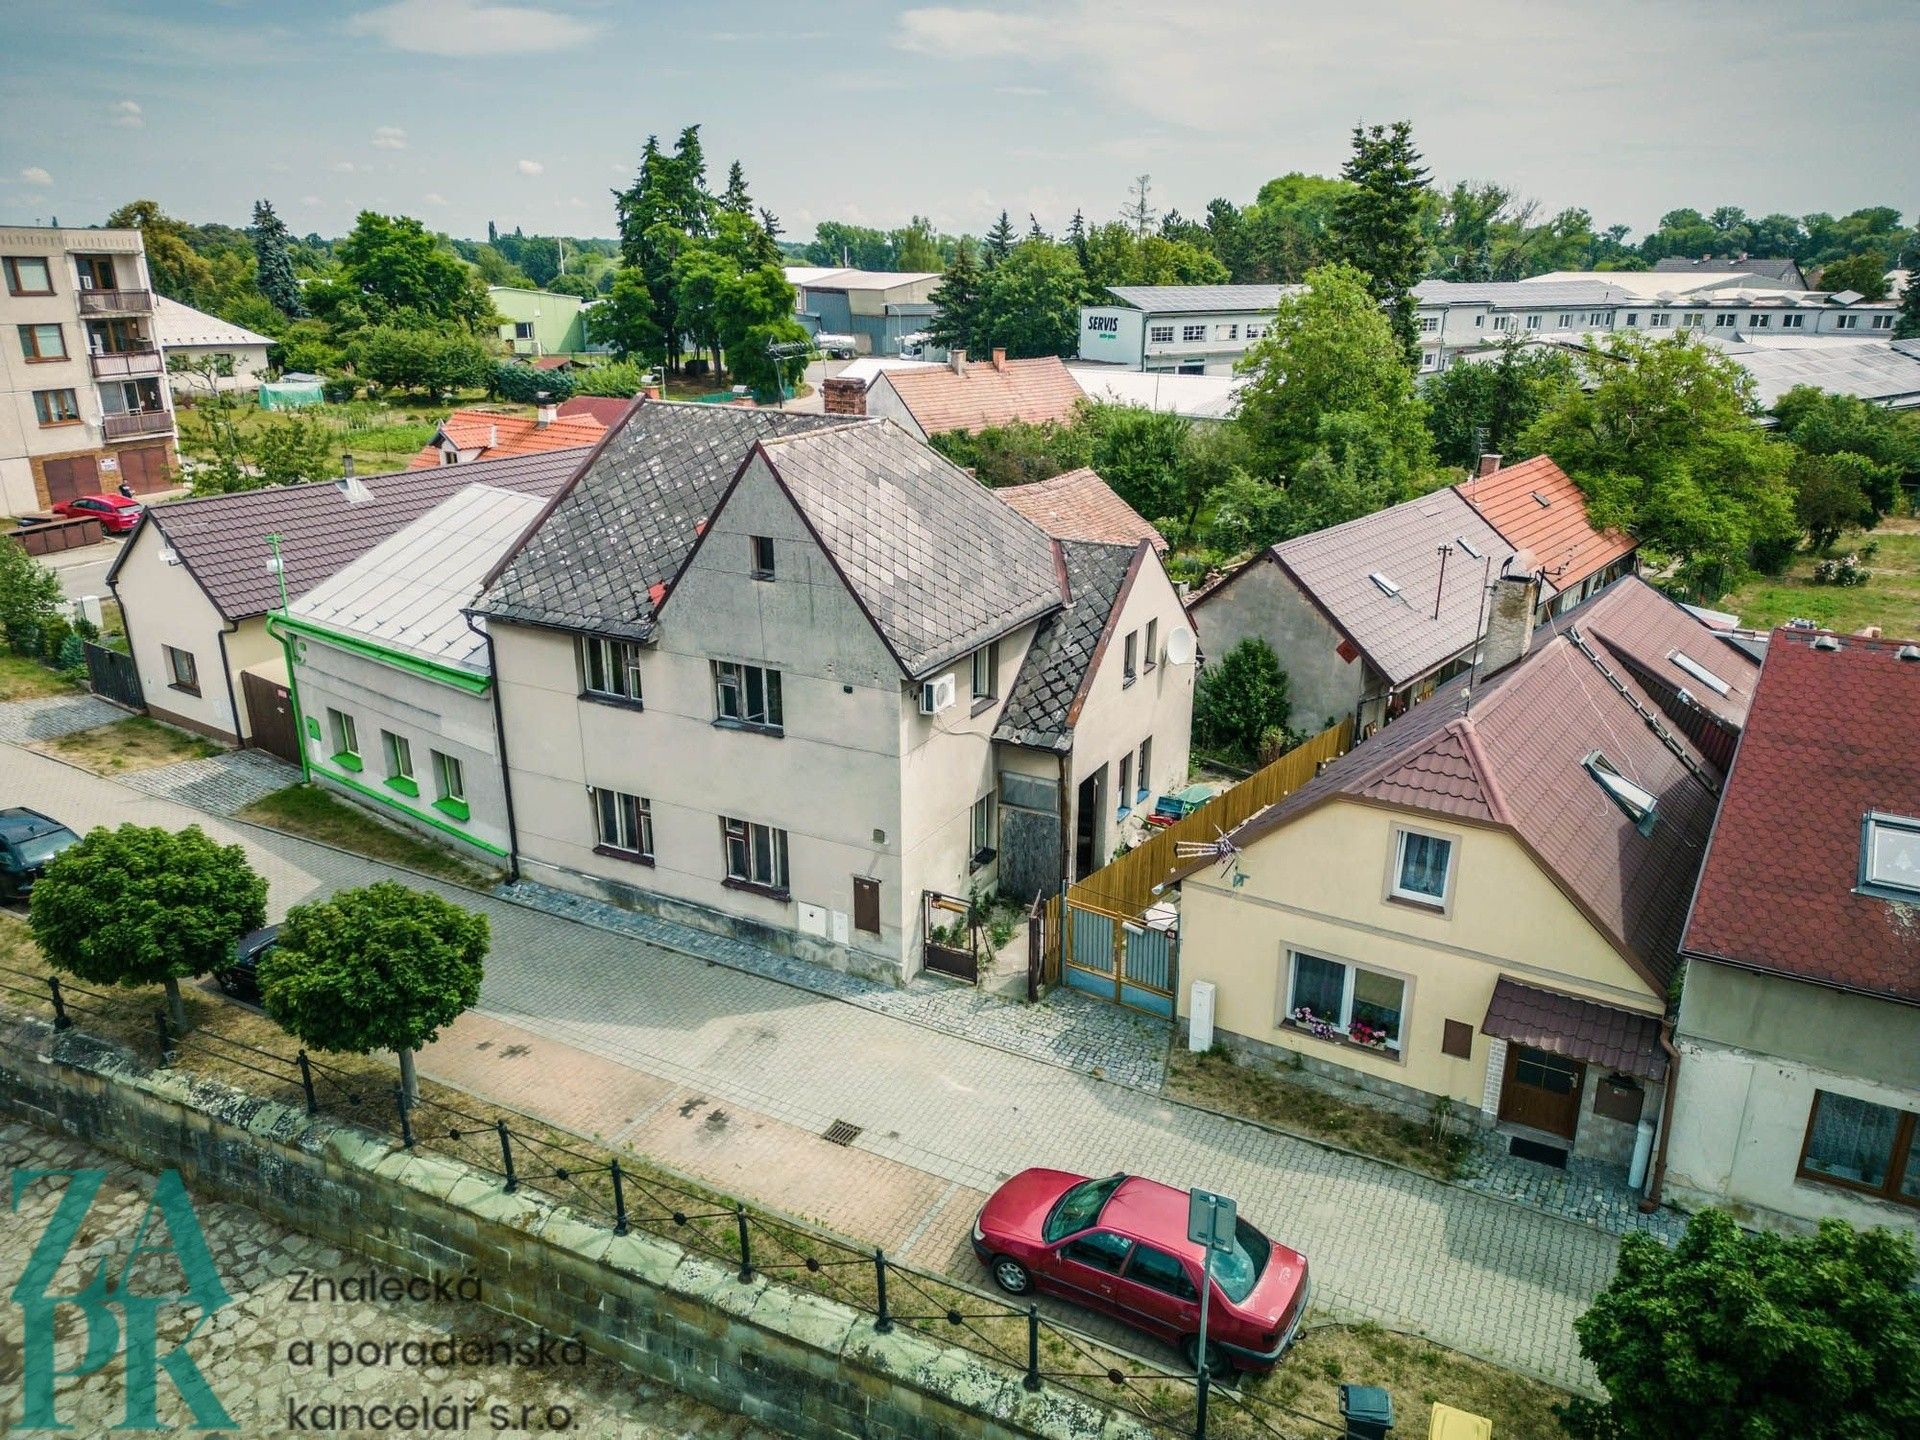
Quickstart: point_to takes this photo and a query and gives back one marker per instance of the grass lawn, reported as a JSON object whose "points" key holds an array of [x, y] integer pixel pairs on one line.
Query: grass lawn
{"points": [[313, 814], [24, 679], [1417, 1372], [1889, 599], [1219, 1082], [136, 743], [381, 435]]}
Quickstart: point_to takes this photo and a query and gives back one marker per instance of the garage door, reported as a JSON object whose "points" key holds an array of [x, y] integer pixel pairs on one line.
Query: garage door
{"points": [[70, 476], [146, 468]]}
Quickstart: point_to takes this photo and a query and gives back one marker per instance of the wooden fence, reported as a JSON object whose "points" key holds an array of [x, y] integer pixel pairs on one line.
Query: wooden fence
{"points": [[1126, 885]]}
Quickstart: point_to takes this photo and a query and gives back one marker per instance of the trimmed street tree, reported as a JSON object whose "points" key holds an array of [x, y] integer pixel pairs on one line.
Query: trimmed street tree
{"points": [[145, 906], [379, 968], [1730, 1336]]}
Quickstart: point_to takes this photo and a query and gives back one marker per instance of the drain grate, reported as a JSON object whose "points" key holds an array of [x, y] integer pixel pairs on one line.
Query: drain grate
{"points": [[841, 1133], [1536, 1152]]}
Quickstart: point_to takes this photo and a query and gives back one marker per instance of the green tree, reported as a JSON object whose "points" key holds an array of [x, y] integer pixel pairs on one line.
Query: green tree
{"points": [[1829, 498], [1907, 325], [860, 247], [1865, 273], [496, 269], [754, 312], [1376, 223], [423, 361], [211, 431], [999, 242], [1017, 454], [292, 449], [378, 968], [914, 247], [30, 597], [1822, 423], [1216, 456], [1030, 302], [956, 302], [1240, 700], [1141, 453], [621, 380], [1661, 438], [145, 906], [394, 267], [524, 385], [734, 199], [1482, 407], [625, 318], [1731, 1336], [1287, 231], [1248, 514], [1327, 391], [273, 261], [175, 269]]}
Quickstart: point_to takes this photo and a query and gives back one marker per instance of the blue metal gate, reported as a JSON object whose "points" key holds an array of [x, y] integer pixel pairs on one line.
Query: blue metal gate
{"points": [[1115, 959]]}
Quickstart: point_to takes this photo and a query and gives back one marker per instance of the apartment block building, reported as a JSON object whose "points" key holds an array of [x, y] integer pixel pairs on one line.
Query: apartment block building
{"points": [[84, 403]]}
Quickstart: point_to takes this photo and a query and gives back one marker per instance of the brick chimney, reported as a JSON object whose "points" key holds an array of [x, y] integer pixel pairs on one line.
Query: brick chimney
{"points": [[1489, 463], [1000, 358], [843, 396], [958, 360], [544, 416], [1510, 625]]}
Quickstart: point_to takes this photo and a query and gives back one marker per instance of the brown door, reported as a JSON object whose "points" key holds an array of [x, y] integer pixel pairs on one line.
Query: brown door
{"points": [[146, 468], [71, 476], [270, 715], [1542, 1090], [866, 904]]}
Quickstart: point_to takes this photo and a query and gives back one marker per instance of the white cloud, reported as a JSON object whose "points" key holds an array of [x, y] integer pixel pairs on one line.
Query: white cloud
{"points": [[35, 175], [529, 167], [347, 167], [433, 197], [126, 115], [471, 27], [389, 137]]}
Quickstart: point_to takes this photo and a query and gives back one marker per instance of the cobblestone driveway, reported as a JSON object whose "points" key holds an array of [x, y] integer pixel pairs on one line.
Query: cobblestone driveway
{"points": [[1471, 1271]]}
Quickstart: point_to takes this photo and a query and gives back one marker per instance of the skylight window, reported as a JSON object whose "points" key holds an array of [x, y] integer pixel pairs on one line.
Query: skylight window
{"points": [[1636, 801], [1699, 672], [1890, 856], [1465, 545], [1387, 587], [1542, 501]]}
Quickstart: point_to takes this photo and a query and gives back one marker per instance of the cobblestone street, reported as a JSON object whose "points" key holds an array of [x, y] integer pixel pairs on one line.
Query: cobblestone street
{"points": [[249, 1351]]}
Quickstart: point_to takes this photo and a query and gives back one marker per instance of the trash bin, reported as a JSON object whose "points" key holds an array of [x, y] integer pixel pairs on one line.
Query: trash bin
{"points": [[1368, 1411]]}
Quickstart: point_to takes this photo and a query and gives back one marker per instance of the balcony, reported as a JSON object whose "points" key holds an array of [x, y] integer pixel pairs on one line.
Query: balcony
{"points": [[124, 364], [137, 424], [116, 302]]}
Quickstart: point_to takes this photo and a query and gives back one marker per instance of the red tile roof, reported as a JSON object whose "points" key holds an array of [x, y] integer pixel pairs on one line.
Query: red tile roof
{"points": [[498, 436], [1032, 391], [607, 409], [552, 362], [1079, 505], [1830, 738], [1561, 538]]}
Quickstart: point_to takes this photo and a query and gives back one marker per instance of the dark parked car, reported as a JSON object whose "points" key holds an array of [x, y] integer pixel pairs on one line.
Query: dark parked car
{"points": [[28, 840], [241, 979], [1119, 1246]]}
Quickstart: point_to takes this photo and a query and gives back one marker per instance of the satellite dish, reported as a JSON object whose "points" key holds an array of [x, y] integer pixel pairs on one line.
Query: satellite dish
{"points": [[1180, 646]]}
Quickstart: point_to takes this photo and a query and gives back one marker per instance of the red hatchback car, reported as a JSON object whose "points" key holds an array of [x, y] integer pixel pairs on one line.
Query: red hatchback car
{"points": [[117, 514], [1120, 1246]]}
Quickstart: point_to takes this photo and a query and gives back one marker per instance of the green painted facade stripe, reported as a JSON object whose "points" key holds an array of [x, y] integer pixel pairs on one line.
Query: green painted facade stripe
{"points": [[433, 670], [385, 799]]}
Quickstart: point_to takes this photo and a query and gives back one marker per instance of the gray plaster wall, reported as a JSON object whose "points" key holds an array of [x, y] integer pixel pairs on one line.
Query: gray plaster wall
{"points": [[1263, 601], [1809, 1024], [804, 1364]]}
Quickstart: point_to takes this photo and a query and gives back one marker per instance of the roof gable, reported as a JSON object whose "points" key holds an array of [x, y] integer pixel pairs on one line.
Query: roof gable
{"points": [[1536, 507], [497, 436]]}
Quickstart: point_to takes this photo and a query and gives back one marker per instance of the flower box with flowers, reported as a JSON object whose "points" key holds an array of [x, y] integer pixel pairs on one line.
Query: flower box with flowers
{"points": [[1359, 1033]]}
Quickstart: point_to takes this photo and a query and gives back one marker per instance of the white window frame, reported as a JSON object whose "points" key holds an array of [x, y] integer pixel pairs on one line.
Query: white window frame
{"points": [[1429, 324], [1881, 322], [1193, 334], [1396, 1048], [737, 680], [1793, 322], [1872, 825], [980, 846], [1661, 320], [984, 668], [449, 777], [1160, 334], [1396, 865], [618, 663], [1725, 322], [1759, 322], [1846, 322], [398, 750], [1150, 653], [747, 836]]}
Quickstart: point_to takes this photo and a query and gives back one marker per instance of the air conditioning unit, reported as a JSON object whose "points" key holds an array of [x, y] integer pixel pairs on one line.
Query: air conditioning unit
{"points": [[936, 695]]}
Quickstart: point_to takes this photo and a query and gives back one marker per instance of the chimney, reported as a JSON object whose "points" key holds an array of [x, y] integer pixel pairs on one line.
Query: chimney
{"points": [[843, 396], [346, 464], [1489, 463], [1510, 626], [651, 392], [999, 358], [958, 360], [493, 436], [544, 416]]}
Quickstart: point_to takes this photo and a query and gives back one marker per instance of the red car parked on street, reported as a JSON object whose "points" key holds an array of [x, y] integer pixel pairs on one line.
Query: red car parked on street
{"points": [[1119, 1246], [117, 514]]}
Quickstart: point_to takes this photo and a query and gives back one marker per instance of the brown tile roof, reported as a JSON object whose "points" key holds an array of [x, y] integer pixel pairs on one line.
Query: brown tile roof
{"points": [[607, 409], [498, 436], [552, 362], [222, 539], [1514, 758], [1079, 505], [1558, 534], [1830, 738], [1572, 1025], [1033, 391], [1640, 625]]}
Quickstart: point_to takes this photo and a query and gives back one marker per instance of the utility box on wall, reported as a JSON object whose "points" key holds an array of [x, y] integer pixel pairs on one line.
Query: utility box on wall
{"points": [[1200, 1017]]}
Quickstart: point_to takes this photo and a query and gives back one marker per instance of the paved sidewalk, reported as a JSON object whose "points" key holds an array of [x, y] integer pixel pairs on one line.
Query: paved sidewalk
{"points": [[222, 784], [1477, 1273], [24, 721]]}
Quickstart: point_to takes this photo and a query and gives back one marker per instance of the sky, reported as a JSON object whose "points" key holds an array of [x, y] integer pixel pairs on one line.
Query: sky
{"points": [[527, 112]]}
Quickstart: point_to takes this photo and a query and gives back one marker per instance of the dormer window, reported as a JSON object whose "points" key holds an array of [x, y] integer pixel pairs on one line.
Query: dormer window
{"points": [[1890, 857], [1699, 672], [1635, 801]]}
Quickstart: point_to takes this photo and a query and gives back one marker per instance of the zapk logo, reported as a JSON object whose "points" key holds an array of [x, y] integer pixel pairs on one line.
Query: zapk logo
{"points": [[118, 1319]]}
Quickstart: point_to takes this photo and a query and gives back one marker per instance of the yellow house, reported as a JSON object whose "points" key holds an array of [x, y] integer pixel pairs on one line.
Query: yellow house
{"points": [[1483, 902]]}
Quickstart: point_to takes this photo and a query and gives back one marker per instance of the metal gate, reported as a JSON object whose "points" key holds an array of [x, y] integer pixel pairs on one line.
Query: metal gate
{"points": [[112, 675], [1110, 956], [951, 942], [270, 716]]}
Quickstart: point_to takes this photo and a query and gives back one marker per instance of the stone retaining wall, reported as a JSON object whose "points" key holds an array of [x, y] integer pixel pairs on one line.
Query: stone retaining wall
{"points": [[789, 1359]]}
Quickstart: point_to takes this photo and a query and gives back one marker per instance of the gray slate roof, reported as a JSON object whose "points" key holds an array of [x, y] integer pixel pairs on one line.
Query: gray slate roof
{"points": [[1870, 369], [628, 520], [939, 564], [1039, 707], [222, 539], [1780, 269], [1192, 299], [1398, 633], [1539, 294]]}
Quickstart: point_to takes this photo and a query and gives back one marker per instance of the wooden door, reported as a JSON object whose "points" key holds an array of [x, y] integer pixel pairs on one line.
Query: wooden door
{"points": [[71, 476], [270, 715], [1542, 1090]]}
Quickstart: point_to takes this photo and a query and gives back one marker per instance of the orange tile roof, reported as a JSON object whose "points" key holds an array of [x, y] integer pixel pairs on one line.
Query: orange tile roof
{"points": [[1562, 539], [498, 436], [1032, 391], [1079, 505]]}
